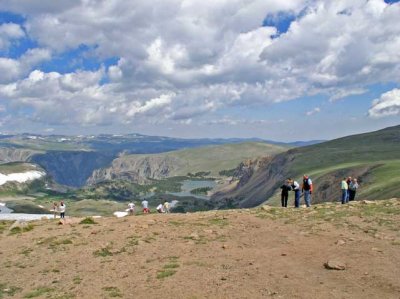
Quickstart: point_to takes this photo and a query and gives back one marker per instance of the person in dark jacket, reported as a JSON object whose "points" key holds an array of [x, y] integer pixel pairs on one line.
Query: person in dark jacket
{"points": [[353, 189], [286, 187]]}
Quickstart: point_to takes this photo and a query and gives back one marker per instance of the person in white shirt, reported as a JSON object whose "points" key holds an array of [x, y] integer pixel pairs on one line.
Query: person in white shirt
{"points": [[62, 209], [131, 207], [145, 206], [160, 208]]}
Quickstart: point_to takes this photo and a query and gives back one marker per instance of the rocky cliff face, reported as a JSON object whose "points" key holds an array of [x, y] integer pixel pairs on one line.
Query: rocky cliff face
{"points": [[11, 154], [258, 179], [138, 169]]}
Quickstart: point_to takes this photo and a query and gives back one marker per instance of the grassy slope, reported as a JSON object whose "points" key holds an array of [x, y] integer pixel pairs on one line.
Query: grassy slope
{"points": [[217, 158], [16, 167], [379, 150]]}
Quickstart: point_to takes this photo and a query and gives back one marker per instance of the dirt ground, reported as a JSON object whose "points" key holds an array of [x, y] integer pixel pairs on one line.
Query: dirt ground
{"points": [[255, 253]]}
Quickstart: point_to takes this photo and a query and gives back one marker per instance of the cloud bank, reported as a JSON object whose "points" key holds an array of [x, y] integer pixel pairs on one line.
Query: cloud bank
{"points": [[183, 60]]}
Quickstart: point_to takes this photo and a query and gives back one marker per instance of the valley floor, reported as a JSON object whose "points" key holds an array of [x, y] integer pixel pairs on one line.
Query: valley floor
{"points": [[255, 253]]}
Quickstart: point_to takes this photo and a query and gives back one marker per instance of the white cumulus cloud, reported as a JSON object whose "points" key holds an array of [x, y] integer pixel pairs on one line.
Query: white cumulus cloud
{"points": [[386, 105]]}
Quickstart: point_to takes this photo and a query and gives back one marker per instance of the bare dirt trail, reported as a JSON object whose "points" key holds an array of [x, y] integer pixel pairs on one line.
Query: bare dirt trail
{"points": [[256, 253]]}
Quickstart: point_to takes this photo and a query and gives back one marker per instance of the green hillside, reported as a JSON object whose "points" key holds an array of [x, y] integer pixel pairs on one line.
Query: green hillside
{"points": [[213, 159], [374, 158]]}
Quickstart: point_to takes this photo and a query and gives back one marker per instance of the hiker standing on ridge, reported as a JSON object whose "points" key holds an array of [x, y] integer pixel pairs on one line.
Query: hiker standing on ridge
{"points": [[285, 193], [296, 188], [307, 189], [62, 210], [348, 181], [353, 189], [345, 188]]}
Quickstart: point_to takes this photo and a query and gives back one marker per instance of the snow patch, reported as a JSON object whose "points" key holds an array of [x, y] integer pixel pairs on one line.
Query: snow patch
{"points": [[20, 177]]}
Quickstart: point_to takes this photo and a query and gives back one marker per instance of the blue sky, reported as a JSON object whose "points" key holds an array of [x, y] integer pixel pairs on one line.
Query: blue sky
{"points": [[282, 70]]}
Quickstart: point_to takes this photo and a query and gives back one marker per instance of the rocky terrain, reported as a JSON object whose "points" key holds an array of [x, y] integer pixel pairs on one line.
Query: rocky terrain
{"points": [[327, 251]]}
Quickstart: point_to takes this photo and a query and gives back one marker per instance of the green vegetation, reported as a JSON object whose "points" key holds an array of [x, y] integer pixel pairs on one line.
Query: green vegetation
{"points": [[23, 229], [6, 290], [38, 292], [228, 173], [113, 291], [165, 273], [200, 174], [213, 159], [103, 252], [374, 158], [201, 191], [16, 167], [88, 220]]}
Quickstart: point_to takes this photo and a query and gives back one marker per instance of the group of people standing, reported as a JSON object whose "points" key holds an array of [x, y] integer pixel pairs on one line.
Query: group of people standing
{"points": [[292, 185], [349, 188], [59, 208]]}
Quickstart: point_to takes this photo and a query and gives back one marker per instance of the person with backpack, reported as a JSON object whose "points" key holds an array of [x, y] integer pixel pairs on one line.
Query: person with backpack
{"points": [[353, 189], [296, 188], [344, 187], [285, 193], [307, 190]]}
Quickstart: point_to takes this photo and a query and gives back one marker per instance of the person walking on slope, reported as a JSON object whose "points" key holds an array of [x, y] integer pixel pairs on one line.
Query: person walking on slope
{"points": [[344, 187], [307, 190], [296, 188], [353, 189], [285, 193]]}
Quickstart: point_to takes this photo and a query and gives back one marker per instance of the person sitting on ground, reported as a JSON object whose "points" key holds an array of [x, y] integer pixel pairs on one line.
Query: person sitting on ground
{"points": [[353, 189], [131, 208], [145, 206], [285, 193], [160, 208], [344, 187], [166, 206]]}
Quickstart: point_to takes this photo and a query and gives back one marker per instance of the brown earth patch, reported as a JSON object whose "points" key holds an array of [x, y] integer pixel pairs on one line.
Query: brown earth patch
{"points": [[252, 253]]}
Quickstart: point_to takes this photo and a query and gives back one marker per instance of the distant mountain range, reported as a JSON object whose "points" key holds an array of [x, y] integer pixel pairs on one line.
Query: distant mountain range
{"points": [[71, 160]]}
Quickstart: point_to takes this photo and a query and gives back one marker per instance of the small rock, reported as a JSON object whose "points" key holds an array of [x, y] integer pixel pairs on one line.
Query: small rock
{"points": [[376, 249], [334, 265], [194, 236], [367, 202], [223, 278], [286, 276], [283, 254], [340, 242], [145, 226], [266, 207], [208, 231], [224, 246]]}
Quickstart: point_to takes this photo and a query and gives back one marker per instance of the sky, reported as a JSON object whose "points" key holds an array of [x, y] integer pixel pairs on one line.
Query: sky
{"points": [[280, 70]]}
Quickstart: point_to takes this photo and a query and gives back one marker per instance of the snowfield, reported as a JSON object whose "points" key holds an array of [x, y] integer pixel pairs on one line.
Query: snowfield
{"points": [[21, 177]]}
